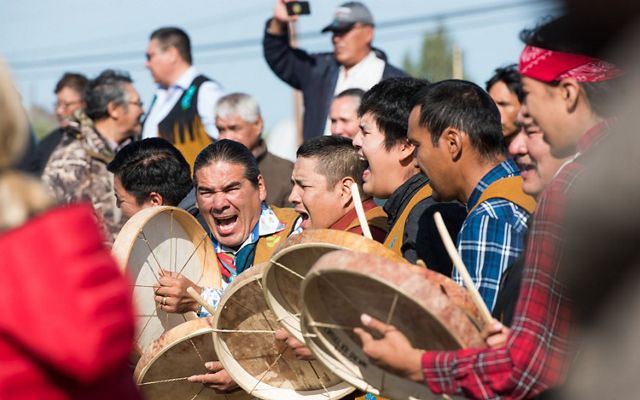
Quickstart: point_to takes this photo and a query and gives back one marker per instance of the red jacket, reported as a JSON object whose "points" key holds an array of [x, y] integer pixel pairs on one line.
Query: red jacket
{"points": [[66, 317]]}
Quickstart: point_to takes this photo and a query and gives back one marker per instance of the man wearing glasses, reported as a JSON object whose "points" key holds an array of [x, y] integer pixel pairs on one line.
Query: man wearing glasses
{"points": [[354, 63], [68, 93], [182, 109]]}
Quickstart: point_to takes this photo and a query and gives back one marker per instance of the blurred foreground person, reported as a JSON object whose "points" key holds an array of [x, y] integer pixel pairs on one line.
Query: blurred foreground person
{"points": [[66, 317]]}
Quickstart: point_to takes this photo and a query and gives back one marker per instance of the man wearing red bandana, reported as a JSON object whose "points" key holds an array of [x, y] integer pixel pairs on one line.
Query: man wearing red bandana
{"points": [[567, 96]]}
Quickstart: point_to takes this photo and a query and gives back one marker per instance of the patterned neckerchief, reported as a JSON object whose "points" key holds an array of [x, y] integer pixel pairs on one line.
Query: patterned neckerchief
{"points": [[235, 261]]}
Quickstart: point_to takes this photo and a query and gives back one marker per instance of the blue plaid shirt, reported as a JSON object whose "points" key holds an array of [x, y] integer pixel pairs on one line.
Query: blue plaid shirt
{"points": [[492, 236]]}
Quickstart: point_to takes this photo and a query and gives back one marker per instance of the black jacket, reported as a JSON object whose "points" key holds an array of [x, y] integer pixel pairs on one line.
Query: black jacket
{"points": [[421, 239], [314, 74]]}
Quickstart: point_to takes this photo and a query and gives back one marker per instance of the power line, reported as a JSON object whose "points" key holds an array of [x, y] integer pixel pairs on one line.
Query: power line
{"points": [[242, 43]]}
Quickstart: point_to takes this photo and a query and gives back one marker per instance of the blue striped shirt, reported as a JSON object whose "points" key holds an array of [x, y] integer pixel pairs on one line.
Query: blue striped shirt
{"points": [[492, 236]]}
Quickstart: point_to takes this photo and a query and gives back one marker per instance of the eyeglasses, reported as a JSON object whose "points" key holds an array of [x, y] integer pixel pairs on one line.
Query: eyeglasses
{"points": [[137, 103], [65, 105]]}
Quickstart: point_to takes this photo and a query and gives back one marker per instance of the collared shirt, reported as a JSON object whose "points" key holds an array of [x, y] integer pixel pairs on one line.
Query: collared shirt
{"points": [[268, 224], [364, 75], [167, 97], [535, 356], [492, 235]]}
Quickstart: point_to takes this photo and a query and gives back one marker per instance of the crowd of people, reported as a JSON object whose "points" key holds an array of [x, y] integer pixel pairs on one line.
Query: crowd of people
{"points": [[505, 167]]}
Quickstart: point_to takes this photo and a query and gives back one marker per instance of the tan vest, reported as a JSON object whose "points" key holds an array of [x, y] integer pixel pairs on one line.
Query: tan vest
{"points": [[510, 189], [395, 237], [375, 217]]}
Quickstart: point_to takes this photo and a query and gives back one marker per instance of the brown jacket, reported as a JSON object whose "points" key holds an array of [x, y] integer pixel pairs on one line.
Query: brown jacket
{"points": [[277, 175]]}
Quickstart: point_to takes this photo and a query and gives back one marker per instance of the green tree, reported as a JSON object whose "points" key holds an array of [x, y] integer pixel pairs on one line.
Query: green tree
{"points": [[435, 61]]}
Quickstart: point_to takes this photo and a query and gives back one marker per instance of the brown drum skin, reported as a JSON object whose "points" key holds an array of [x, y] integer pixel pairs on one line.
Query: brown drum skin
{"points": [[179, 353], [430, 309], [169, 238], [263, 366], [299, 253]]}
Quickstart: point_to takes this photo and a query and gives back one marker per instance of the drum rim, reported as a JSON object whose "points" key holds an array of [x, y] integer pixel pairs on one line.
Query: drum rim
{"points": [[338, 358], [316, 237], [125, 243], [263, 390], [146, 361]]}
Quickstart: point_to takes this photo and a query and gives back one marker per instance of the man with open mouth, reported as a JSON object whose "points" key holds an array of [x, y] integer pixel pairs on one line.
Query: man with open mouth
{"points": [[230, 194], [392, 174], [324, 171]]}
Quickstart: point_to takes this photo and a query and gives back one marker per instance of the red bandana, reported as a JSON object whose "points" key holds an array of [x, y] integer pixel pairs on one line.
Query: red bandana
{"points": [[547, 66]]}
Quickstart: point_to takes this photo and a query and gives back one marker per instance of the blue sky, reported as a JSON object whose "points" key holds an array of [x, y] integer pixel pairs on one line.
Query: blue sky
{"points": [[46, 31]]}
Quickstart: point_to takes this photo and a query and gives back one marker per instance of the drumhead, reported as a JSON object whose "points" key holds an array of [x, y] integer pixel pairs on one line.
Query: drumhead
{"points": [[342, 285], [171, 239], [290, 263], [181, 352], [263, 366]]}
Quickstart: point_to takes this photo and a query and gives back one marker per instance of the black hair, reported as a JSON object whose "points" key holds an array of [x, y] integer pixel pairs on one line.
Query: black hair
{"points": [[108, 87], [231, 152], [174, 37], [464, 106], [554, 35], [510, 76], [390, 104], [352, 92], [72, 80], [337, 158], [152, 165]]}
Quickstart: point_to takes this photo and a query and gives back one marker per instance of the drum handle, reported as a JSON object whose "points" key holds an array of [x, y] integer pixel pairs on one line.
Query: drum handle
{"points": [[462, 269], [357, 201], [196, 296]]}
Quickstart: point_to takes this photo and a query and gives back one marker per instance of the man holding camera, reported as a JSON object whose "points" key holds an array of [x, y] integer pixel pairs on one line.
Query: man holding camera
{"points": [[354, 63]]}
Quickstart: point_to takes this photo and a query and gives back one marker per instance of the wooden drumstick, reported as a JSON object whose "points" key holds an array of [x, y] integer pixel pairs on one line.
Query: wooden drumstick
{"points": [[357, 201], [459, 264], [196, 296]]}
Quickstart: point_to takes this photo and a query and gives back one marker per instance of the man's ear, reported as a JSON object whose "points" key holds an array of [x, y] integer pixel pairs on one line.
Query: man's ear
{"points": [[346, 195], [156, 199], [259, 125], [114, 110], [570, 91], [262, 188], [369, 33], [406, 152], [172, 54], [453, 139]]}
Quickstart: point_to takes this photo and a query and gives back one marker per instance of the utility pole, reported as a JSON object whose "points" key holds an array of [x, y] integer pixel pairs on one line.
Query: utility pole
{"points": [[457, 65]]}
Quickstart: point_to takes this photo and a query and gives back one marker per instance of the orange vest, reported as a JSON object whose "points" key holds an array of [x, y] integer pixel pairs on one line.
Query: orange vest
{"points": [[510, 189], [395, 237], [375, 217]]}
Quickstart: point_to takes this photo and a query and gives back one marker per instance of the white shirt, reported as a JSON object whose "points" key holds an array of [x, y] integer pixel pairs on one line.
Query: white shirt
{"points": [[166, 99], [364, 75]]}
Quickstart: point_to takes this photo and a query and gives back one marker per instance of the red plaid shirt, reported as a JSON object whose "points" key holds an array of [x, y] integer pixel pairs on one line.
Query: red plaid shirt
{"points": [[535, 356]]}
